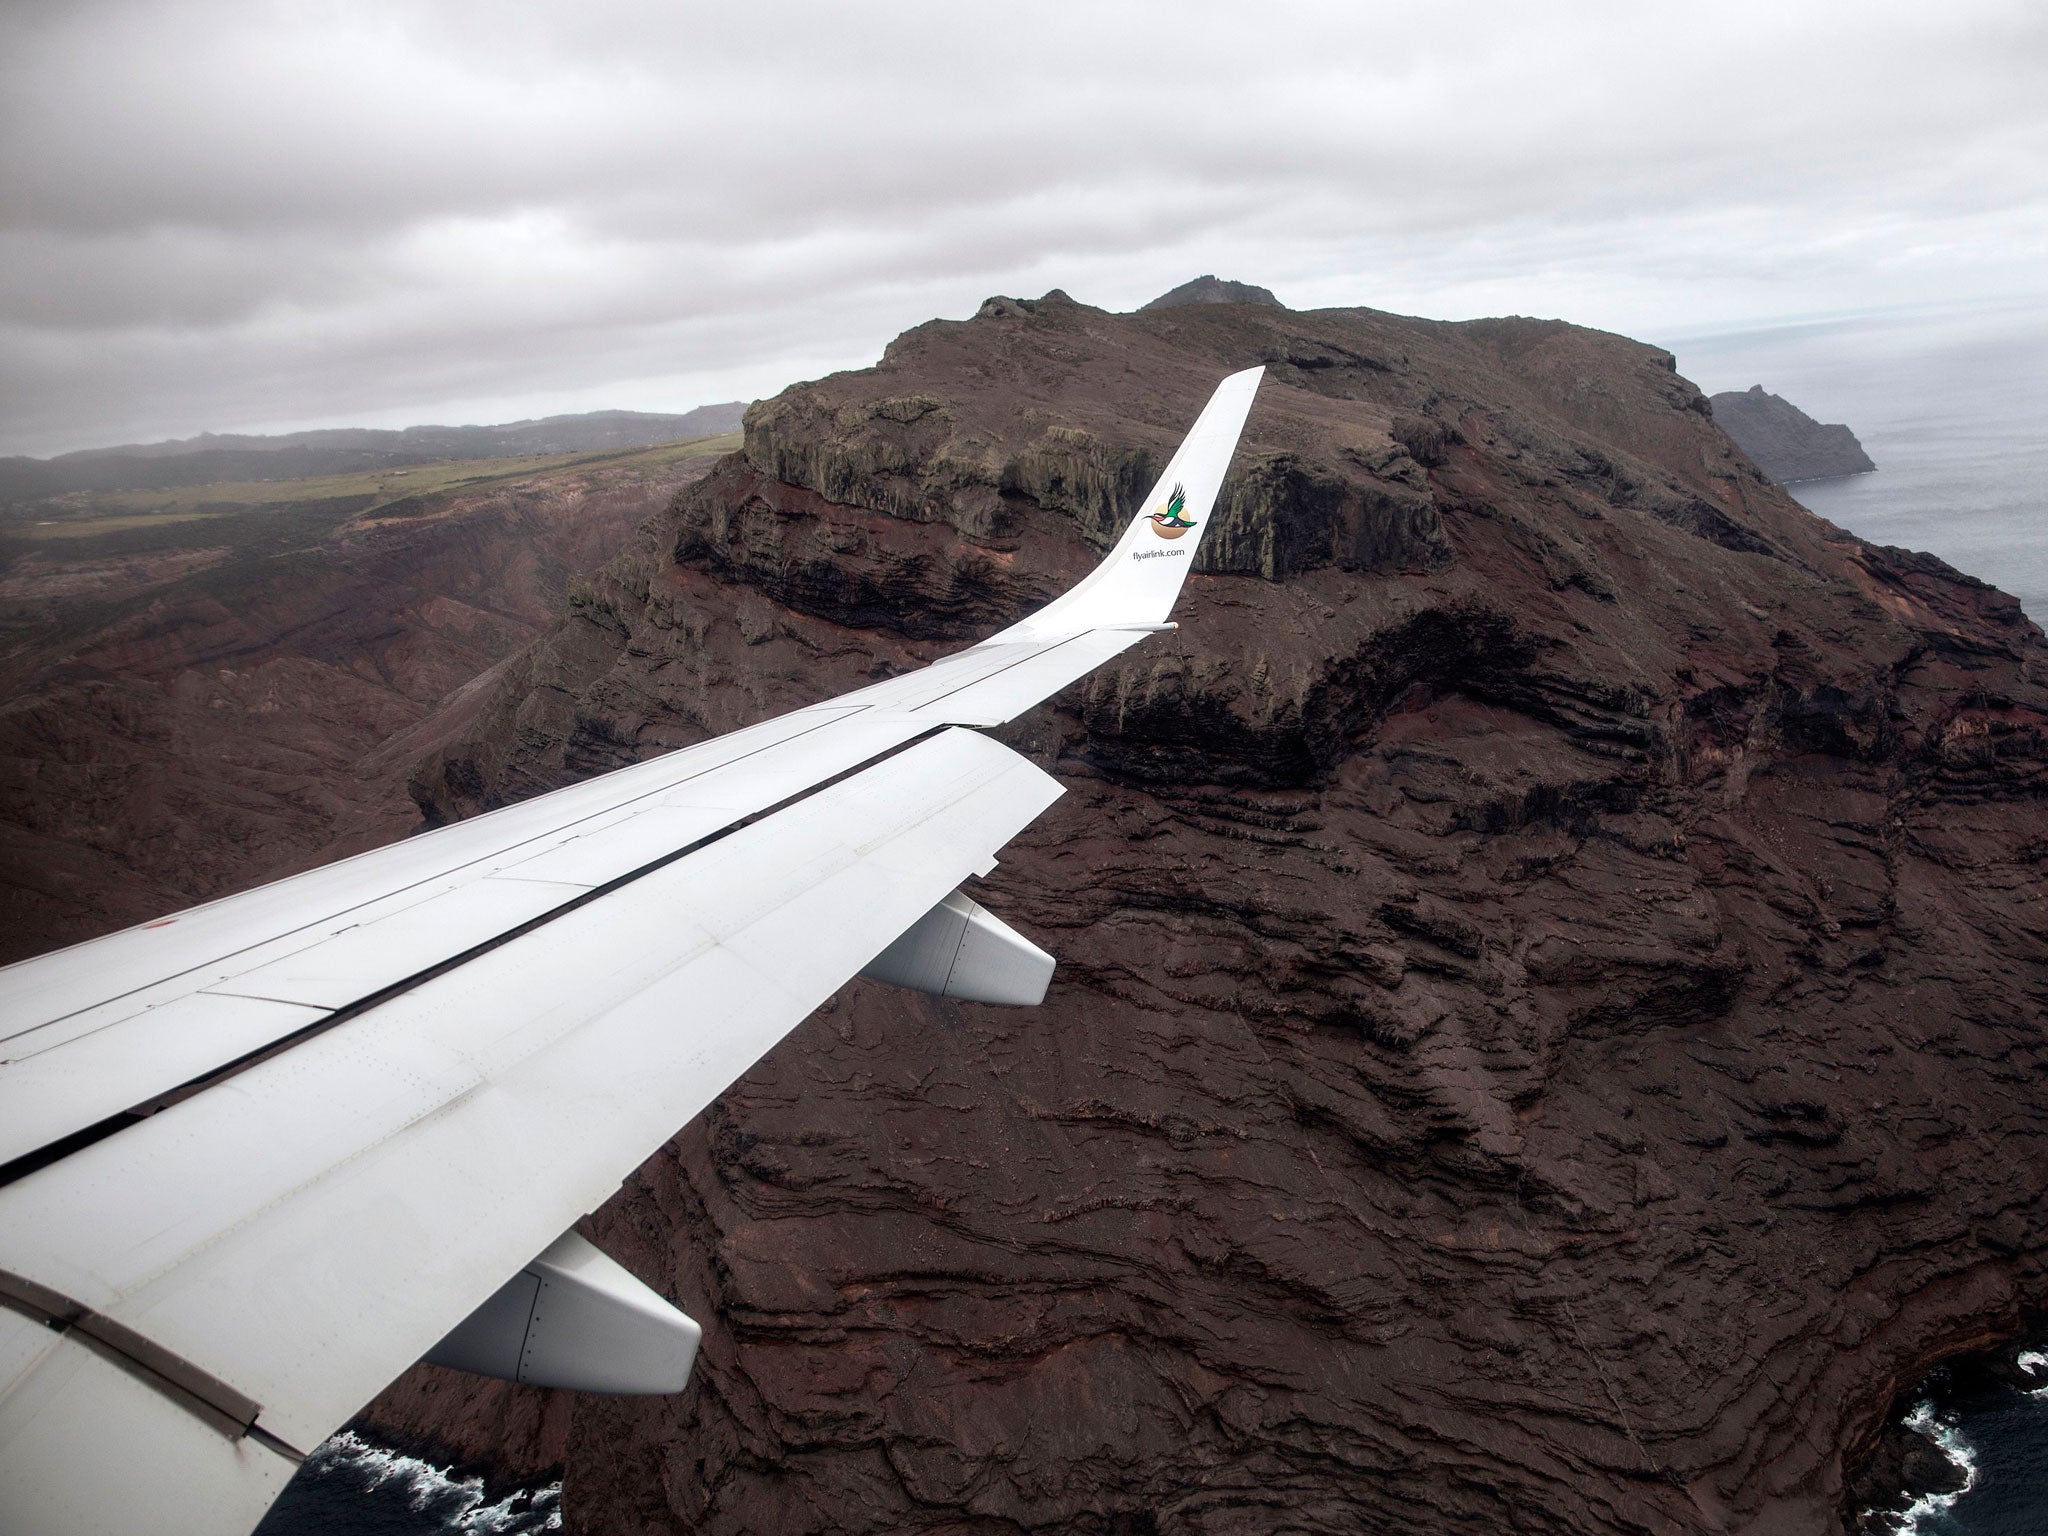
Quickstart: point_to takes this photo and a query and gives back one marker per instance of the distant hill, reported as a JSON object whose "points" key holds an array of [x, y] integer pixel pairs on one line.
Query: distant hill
{"points": [[1210, 289], [213, 457], [1785, 442], [235, 684]]}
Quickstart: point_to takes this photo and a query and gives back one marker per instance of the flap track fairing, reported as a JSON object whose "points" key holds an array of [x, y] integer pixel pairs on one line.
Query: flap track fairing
{"points": [[574, 1318], [961, 949]]}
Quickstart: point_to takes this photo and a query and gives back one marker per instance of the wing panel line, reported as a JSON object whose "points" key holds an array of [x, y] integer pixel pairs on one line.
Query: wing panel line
{"points": [[42, 1157], [975, 682]]}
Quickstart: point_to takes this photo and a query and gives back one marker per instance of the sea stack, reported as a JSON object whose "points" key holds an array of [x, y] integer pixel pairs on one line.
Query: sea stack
{"points": [[1785, 442]]}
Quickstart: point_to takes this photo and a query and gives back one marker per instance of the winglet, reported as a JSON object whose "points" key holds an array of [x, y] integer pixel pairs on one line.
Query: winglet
{"points": [[1135, 587]]}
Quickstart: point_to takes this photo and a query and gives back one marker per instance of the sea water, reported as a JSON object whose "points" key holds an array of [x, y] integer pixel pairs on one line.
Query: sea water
{"points": [[352, 1486], [1952, 405], [1997, 1437]]}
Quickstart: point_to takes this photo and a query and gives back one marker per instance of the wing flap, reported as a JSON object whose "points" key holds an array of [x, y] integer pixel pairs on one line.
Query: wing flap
{"points": [[98, 1075], [110, 1454]]}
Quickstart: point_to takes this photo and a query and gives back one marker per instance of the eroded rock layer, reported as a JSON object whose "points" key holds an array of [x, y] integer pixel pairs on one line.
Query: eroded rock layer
{"points": [[1549, 1029]]}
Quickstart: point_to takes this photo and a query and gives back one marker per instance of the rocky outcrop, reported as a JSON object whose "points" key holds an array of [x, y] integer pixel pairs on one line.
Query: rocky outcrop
{"points": [[1547, 1035], [1210, 289], [1963, 1399], [1786, 443]]}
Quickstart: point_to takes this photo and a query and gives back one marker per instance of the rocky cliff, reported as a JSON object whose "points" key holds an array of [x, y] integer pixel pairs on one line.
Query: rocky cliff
{"points": [[1548, 1030], [1786, 443]]}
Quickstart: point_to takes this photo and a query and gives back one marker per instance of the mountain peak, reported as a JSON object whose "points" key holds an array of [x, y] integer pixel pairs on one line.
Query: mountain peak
{"points": [[1211, 289]]}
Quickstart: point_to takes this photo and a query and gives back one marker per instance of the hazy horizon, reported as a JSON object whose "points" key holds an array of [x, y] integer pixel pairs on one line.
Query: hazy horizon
{"points": [[1710, 368], [232, 434]]}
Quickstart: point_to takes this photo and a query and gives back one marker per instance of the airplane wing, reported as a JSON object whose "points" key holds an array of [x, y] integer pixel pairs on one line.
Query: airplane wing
{"points": [[258, 1157]]}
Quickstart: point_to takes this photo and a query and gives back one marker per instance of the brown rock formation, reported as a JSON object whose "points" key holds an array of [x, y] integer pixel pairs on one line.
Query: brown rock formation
{"points": [[1786, 443], [197, 706], [1210, 289], [1548, 1035]]}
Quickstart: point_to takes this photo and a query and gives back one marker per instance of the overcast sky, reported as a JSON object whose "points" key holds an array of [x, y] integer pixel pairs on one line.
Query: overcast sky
{"points": [[258, 216]]}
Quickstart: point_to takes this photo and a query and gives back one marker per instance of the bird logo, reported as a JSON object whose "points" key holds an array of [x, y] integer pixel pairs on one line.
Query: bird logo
{"points": [[1173, 520]]}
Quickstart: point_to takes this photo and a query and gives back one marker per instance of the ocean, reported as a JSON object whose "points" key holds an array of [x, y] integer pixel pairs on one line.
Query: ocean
{"points": [[351, 1486], [1952, 404], [1997, 1437]]}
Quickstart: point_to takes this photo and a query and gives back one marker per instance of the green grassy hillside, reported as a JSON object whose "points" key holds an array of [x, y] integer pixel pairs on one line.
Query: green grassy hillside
{"points": [[91, 514]]}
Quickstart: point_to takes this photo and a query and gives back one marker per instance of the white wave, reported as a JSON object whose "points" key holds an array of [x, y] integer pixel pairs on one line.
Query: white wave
{"points": [[456, 1502], [1961, 1454], [2034, 1363]]}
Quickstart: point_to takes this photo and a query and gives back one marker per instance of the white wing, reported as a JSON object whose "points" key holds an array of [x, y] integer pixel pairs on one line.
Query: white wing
{"points": [[264, 1154]]}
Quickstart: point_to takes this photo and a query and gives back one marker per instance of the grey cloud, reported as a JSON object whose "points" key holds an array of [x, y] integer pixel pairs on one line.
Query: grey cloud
{"points": [[218, 216]]}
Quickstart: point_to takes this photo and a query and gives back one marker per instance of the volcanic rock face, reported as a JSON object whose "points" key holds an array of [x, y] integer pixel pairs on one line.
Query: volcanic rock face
{"points": [[1786, 443], [1548, 1034]]}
